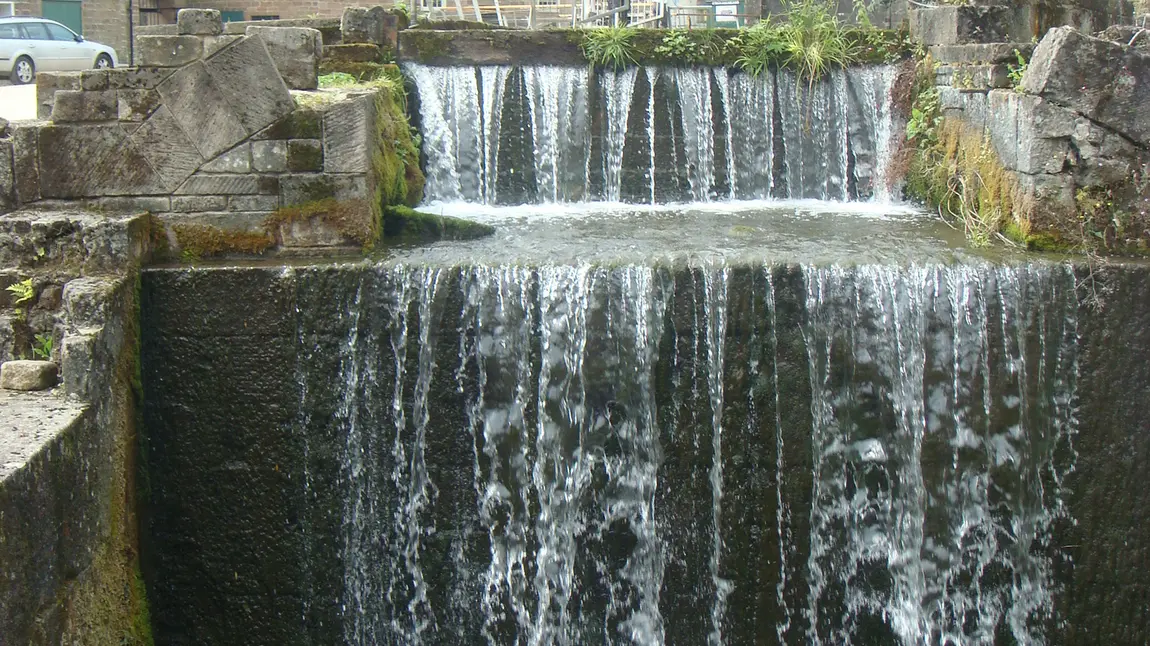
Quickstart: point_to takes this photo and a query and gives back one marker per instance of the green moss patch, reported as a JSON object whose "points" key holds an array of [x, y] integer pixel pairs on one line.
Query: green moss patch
{"points": [[353, 53], [352, 219], [402, 225], [302, 123], [197, 241], [305, 155]]}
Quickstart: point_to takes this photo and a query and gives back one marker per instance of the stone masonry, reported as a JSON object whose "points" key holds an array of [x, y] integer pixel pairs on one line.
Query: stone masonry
{"points": [[206, 132], [1076, 123]]}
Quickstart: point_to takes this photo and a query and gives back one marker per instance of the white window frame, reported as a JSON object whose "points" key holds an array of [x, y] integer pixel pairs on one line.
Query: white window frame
{"points": [[7, 9]]}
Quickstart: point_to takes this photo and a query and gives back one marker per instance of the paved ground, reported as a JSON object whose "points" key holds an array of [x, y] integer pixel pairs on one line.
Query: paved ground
{"points": [[17, 102]]}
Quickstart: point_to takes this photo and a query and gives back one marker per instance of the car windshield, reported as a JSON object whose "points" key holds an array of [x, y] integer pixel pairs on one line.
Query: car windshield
{"points": [[10, 30], [35, 31], [58, 32]]}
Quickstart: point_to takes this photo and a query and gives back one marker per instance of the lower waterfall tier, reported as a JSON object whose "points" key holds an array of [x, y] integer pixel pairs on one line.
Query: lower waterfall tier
{"points": [[633, 454]]}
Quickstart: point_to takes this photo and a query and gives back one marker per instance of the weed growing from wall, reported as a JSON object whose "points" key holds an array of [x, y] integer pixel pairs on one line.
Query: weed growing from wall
{"points": [[610, 46]]}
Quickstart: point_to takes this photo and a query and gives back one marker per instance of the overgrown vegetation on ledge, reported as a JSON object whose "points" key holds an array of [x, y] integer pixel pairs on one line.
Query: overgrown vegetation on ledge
{"points": [[954, 169], [808, 37]]}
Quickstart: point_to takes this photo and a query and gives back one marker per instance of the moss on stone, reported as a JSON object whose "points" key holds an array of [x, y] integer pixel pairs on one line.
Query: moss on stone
{"points": [[353, 53], [302, 123], [426, 46], [305, 155], [361, 72], [197, 241], [352, 219], [403, 224]]}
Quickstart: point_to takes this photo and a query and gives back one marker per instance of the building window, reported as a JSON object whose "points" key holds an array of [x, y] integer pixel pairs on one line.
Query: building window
{"points": [[7, 9], [265, 17]]}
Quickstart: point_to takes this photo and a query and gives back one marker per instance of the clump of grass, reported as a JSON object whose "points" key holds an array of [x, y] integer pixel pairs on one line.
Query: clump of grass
{"points": [[610, 46], [811, 41]]}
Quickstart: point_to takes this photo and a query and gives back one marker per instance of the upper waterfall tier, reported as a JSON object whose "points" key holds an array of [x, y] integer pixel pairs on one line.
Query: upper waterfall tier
{"points": [[542, 134]]}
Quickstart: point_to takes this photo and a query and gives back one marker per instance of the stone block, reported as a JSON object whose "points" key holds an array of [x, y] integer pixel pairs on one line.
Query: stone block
{"points": [[26, 163], [123, 171], [94, 80], [134, 205], [28, 375], [168, 51], [302, 188], [305, 155], [88, 302], [303, 123], [246, 76], [199, 203], [960, 24], [199, 22], [213, 44], [137, 78], [225, 185], [69, 154], [201, 109], [169, 150], [78, 106], [348, 135], [364, 25], [269, 156], [7, 186], [236, 160], [262, 203], [976, 78], [354, 53], [296, 52], [77, 356], [48, 83], [1104, 81], [136, 105], [1029, 135]]}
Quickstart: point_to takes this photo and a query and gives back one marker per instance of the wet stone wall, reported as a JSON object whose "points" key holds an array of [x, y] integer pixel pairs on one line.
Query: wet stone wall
{"points": [[369, 454]]}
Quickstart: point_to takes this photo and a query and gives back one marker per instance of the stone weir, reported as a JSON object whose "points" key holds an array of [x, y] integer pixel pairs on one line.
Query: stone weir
{"points": [[684, 454]]}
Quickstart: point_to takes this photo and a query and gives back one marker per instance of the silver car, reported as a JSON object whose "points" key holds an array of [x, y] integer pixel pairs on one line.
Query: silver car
{"points": [[30, 45]]}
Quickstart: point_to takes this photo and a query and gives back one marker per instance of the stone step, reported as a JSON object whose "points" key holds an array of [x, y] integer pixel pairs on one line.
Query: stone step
{"points": [[983, 53]]}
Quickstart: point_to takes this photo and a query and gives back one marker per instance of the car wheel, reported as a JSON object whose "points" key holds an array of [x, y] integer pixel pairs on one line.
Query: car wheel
{"points": [[103, 62], [23, 71]]}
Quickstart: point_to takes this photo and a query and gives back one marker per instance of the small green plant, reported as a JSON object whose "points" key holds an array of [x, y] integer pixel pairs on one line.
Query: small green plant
{"points": [[691, 46], [811, 41], [42, 347], [1015, 72], [610, 46], [402, 9], [22, 292]]}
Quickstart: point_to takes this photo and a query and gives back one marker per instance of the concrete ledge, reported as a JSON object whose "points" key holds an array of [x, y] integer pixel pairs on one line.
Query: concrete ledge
{"points": [[491, 47]]}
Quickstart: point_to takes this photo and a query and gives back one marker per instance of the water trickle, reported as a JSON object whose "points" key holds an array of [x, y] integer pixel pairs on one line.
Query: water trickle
{"points": [[618, 87], [451, 124], [694, 87]]}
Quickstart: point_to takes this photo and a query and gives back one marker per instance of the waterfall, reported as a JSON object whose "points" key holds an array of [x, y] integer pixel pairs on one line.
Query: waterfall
{"points": [[720, 135], [586, 454]]}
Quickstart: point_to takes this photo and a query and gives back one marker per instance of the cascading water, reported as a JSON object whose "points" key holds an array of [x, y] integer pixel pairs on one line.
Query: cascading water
{"points": [[712, 138], [622, 423]]}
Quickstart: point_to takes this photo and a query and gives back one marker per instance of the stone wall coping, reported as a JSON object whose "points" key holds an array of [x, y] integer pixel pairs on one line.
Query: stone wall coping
{"points": [[28, 422]]}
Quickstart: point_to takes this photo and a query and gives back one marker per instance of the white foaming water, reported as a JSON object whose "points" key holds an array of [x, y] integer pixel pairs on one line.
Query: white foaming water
{"points": [[941, 420], [579, 126]]}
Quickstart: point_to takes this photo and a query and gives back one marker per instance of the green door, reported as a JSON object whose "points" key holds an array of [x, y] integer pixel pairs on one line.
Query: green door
{"points": [[65, 12]]}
